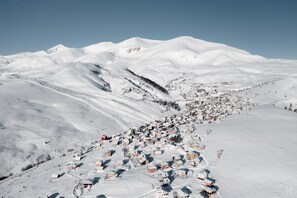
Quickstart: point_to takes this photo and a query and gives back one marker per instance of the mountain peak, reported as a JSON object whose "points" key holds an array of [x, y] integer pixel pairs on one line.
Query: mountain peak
{"points": [[58, 47], [138, 41]]}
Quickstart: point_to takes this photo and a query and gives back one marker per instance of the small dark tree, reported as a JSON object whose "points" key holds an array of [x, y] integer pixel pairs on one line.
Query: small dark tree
{"points": [[176, 139], [290, 108]]}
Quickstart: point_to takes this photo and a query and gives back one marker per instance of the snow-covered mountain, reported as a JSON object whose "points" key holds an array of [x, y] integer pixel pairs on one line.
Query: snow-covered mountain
{"points": [[54, 101]]}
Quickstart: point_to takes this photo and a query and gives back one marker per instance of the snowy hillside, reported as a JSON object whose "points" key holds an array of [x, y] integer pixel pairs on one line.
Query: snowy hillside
{"points": [[57, 101]]}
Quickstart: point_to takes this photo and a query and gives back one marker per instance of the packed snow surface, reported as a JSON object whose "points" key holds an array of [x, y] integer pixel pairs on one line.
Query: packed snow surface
{"points": [[56, 104]]}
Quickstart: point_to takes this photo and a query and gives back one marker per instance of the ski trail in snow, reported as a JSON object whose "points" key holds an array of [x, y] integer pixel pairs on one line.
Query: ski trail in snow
{"points": [[146, 195], [228, 169], [123, 126], [52, 88]]}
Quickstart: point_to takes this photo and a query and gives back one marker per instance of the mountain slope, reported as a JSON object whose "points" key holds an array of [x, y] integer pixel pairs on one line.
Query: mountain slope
{"points": [[57, 100]]}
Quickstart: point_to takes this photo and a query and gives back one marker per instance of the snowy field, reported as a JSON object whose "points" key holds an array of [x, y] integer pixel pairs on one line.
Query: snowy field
{"points": [[240, 109]]}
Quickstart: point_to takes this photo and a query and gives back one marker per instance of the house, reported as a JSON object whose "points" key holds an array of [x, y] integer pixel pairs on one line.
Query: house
{"points": [[171, 146], [157, 152], [180, 148], [181, 173], [86, 184], [163, 174], [177, 164], [193, 164], [143, 144], [54, 177], [126, 141], [165, 181], [202, 175], [180, 194], [158, 143], [163, 134], [208, 182], [104, 137], [176, 158], [151, 140], [142, 160], [199, 117], [209, 191], [142, 137], [98, 145], [120, 165], [132, 152], [111, 175], [152, 169], [164, 165], [158, 135], [77, 158], [192, 155], [99, 166], [108, 153], [71, 166], [135, 142]]}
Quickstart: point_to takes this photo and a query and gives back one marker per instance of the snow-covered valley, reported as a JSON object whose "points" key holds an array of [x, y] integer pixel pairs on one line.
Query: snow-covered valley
{"points": [[235, 112]]}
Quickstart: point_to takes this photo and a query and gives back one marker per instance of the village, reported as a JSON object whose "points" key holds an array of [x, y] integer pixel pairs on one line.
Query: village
{"points": [[168, 151]]}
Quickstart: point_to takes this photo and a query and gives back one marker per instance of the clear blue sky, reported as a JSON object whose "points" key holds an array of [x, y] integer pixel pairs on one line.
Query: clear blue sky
{"points": [[263, 27]]}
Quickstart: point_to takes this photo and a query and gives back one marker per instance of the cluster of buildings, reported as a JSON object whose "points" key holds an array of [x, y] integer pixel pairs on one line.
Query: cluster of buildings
{"points": [[168, 149], [214, 107]]}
